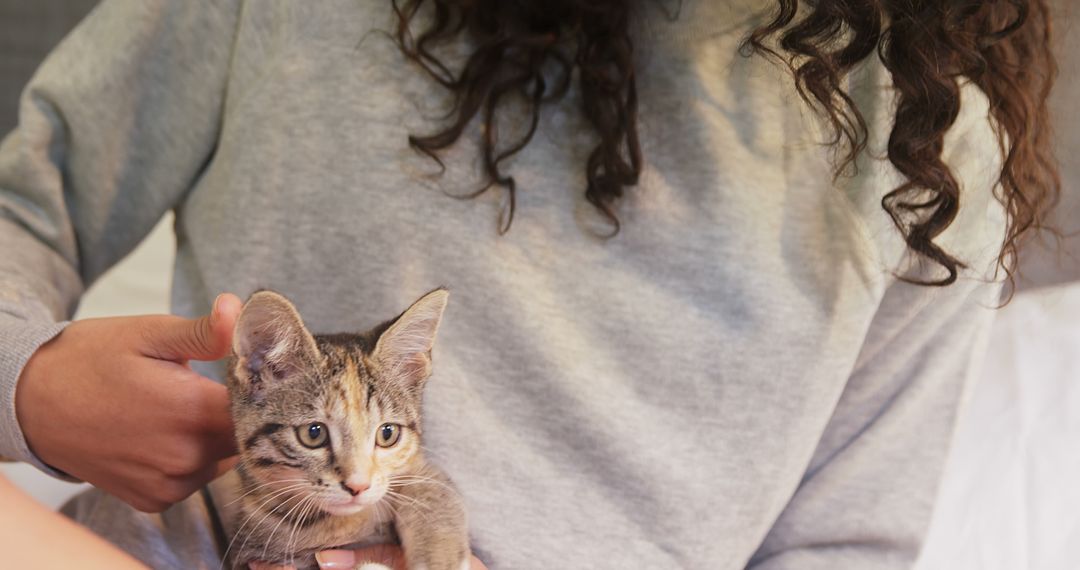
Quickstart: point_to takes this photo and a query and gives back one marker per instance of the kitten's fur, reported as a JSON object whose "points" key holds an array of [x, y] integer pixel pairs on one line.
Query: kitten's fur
{"points": [[282, 379]]}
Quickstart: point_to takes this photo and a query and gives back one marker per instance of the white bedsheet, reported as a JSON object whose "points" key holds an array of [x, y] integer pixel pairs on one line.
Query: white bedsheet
{"points": [[1010, 499]]}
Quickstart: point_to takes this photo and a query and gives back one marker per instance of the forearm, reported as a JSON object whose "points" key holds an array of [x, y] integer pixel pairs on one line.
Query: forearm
{"points": [[32, 536], [82, 181], [20, 339]]}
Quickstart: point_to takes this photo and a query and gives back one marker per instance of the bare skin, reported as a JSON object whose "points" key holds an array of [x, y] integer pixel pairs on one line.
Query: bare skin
{"points": [[32, 536], [113, 402]]}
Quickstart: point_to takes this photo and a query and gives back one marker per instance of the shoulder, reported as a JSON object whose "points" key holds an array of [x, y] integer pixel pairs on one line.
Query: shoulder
{"points": [[974, 156]]}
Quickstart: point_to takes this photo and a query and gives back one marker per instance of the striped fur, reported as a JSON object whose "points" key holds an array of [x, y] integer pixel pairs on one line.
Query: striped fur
{"points": [[282, 380]]}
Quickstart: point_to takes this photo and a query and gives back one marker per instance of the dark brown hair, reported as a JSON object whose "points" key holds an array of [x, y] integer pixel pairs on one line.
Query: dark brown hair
{"points": [[928, 46]]}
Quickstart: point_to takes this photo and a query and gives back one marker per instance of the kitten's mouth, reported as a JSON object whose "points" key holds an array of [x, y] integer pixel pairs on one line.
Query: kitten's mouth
{"points": [[338, 509], [351, 505]]}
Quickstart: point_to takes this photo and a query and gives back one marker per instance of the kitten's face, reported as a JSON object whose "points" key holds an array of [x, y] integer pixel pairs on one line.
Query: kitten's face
{"points": [[327, 422]]}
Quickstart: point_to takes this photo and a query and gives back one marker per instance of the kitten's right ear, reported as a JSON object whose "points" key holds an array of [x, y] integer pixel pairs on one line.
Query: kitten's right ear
{"points": [[270, 341], [403, 351]]}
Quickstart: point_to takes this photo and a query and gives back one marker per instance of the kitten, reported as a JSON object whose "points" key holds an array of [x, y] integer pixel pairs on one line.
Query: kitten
{"points": [[328, 428]]}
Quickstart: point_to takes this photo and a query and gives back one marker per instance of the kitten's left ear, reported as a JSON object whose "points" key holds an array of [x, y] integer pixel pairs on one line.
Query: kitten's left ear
{"points": [[270, 342], [403, 352]]}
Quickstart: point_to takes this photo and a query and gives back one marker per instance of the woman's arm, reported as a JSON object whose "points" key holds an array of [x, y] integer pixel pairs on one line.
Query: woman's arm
{"points": [[32, 536], [114, 128], [867, 495]]}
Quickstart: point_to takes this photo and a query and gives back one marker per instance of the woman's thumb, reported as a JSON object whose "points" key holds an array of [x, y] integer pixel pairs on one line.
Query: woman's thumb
{"points": [[206, 338]]}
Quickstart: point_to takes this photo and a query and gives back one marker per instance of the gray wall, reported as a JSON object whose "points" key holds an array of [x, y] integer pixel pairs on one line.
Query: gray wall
{"points": [[28, 30], [1040, 265]]}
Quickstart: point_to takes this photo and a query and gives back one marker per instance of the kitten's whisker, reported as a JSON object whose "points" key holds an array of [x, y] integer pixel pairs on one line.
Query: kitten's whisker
{"points": [[391, 514], [405, 480], [416, 478], [413, 500], [284, 518], [254, 511], [318, 505], [251, 515], [390, 506], [378, 510], [389, 510], [420, 509], [421, 506], [272, 511], [432, 485], [317, 502], [260, 486], [295, 525], [308, 502], [259, 524]]}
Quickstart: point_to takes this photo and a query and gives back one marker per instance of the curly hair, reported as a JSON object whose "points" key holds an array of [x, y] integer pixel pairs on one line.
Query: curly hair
{"points": [[929, 47]]}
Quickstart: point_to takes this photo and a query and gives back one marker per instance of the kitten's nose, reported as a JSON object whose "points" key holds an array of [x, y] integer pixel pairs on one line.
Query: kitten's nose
{"points": [[354, 488]]}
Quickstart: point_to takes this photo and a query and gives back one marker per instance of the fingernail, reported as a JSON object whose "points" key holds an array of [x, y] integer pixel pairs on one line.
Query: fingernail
{"points": [[336, 559], [214, 317]]}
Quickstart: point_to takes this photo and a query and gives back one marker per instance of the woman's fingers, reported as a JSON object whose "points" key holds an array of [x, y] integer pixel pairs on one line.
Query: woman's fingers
{"points": [[380, 557]]}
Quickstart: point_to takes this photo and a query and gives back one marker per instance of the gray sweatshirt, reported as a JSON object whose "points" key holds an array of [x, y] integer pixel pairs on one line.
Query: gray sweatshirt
{"points": [[737, 379]]}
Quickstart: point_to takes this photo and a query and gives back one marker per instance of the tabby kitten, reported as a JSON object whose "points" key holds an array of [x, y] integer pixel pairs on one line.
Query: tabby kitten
{"points": [[328, 428]]}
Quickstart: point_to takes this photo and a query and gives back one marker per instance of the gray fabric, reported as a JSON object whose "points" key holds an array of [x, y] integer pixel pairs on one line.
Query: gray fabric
{"points": [[737, 379], [28, 30], [180, 537]]}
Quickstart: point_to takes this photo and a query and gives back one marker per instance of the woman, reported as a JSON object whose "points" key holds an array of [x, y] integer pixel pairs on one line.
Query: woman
{"points": [[737, 348]]}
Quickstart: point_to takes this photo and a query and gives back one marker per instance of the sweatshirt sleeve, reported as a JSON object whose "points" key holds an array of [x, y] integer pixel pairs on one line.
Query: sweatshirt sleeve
{"points": [[866, 499], [114, 128]]}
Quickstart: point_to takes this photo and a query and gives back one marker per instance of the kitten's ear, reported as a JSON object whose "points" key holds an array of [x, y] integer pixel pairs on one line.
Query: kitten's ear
{"points": [[270, 341], [403, 351]]}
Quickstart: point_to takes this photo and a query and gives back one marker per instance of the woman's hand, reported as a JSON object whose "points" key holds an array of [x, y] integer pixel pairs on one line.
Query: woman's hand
{"points": [[388, 555], [113, 402]]}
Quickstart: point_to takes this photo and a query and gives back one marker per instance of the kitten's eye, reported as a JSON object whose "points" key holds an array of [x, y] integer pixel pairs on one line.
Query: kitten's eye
{"points": [[388, 435], [313, 435]]}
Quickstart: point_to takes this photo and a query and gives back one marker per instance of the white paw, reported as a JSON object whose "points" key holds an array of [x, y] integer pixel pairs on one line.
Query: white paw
{"points": [[372, 566]]}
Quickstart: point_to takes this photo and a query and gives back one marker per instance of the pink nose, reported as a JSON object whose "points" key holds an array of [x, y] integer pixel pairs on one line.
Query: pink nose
{"points": [[354, 488]]}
